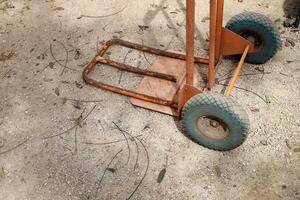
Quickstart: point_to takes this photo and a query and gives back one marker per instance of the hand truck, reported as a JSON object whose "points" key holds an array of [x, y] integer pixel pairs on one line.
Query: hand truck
{"points": [[211, 119]]}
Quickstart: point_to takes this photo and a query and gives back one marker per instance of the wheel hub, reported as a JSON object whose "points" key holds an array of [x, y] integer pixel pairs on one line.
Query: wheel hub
{"points": [[254, 38], [212, 128]]}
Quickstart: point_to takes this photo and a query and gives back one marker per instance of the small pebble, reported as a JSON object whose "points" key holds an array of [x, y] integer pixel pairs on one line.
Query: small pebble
{"points": [[264, 142]]}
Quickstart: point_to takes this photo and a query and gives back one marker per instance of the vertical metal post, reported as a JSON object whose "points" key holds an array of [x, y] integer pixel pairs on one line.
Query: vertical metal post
{"points": [[212, 44], [190, 43], [220, 8]]}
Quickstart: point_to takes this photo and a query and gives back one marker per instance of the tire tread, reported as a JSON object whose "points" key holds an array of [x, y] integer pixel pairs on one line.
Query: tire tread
{"points": [[262, 20], [224, 104]]}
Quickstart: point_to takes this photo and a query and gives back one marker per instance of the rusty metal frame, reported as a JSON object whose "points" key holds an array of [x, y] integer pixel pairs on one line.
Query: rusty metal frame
{"points": [[121, 66], [220, 39]]}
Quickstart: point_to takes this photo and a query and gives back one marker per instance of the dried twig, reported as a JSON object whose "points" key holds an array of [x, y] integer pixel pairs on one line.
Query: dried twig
{"points": [[249, 74], [244, 89], [78, 122], [137, 153], [84, 101], [145, 55], [230, 71], [146, 171], [75, 140], [97, 45], [15, 147], [66, 60], [6, 73], [102, 177], [121, 74], [67, 57], [103, 16], [146, 58], [112, 142], [51, 63], [128, 146], [88, 114], [108, 166], [173, 36], [137, 146], [62, 133]]}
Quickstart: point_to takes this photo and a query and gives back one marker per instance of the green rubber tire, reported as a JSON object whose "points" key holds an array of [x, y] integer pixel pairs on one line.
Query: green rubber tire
{"points": [[265, 34], [219, 107]]}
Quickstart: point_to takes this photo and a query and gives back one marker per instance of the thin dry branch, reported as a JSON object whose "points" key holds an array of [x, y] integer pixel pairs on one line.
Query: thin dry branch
{"points": [[128, 146], [112, 142], [78, 122], [15, 147], [62, 133], [145, 173], [136, 144], [75, 140], [102, 177], [125, 58], [64, 66], [145, 55], [4, 75], [103, 16], [84, 101], [244, 89], [49, 64], [248, 74]]}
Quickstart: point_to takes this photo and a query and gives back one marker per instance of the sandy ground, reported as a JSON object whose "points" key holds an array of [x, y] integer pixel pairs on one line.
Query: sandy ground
{"points": [[37, 101]]}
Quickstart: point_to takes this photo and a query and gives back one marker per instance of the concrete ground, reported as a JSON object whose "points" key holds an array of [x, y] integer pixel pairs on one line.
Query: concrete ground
{"points": [[59, 138]]}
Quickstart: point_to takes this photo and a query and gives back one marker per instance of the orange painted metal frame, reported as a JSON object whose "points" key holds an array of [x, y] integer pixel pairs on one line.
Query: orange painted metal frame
{"points": [[218, 46], [99, 59]]}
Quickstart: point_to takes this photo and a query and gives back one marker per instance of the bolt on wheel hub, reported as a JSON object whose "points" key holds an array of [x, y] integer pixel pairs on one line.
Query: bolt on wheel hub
{"points": [[212, 128]]}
